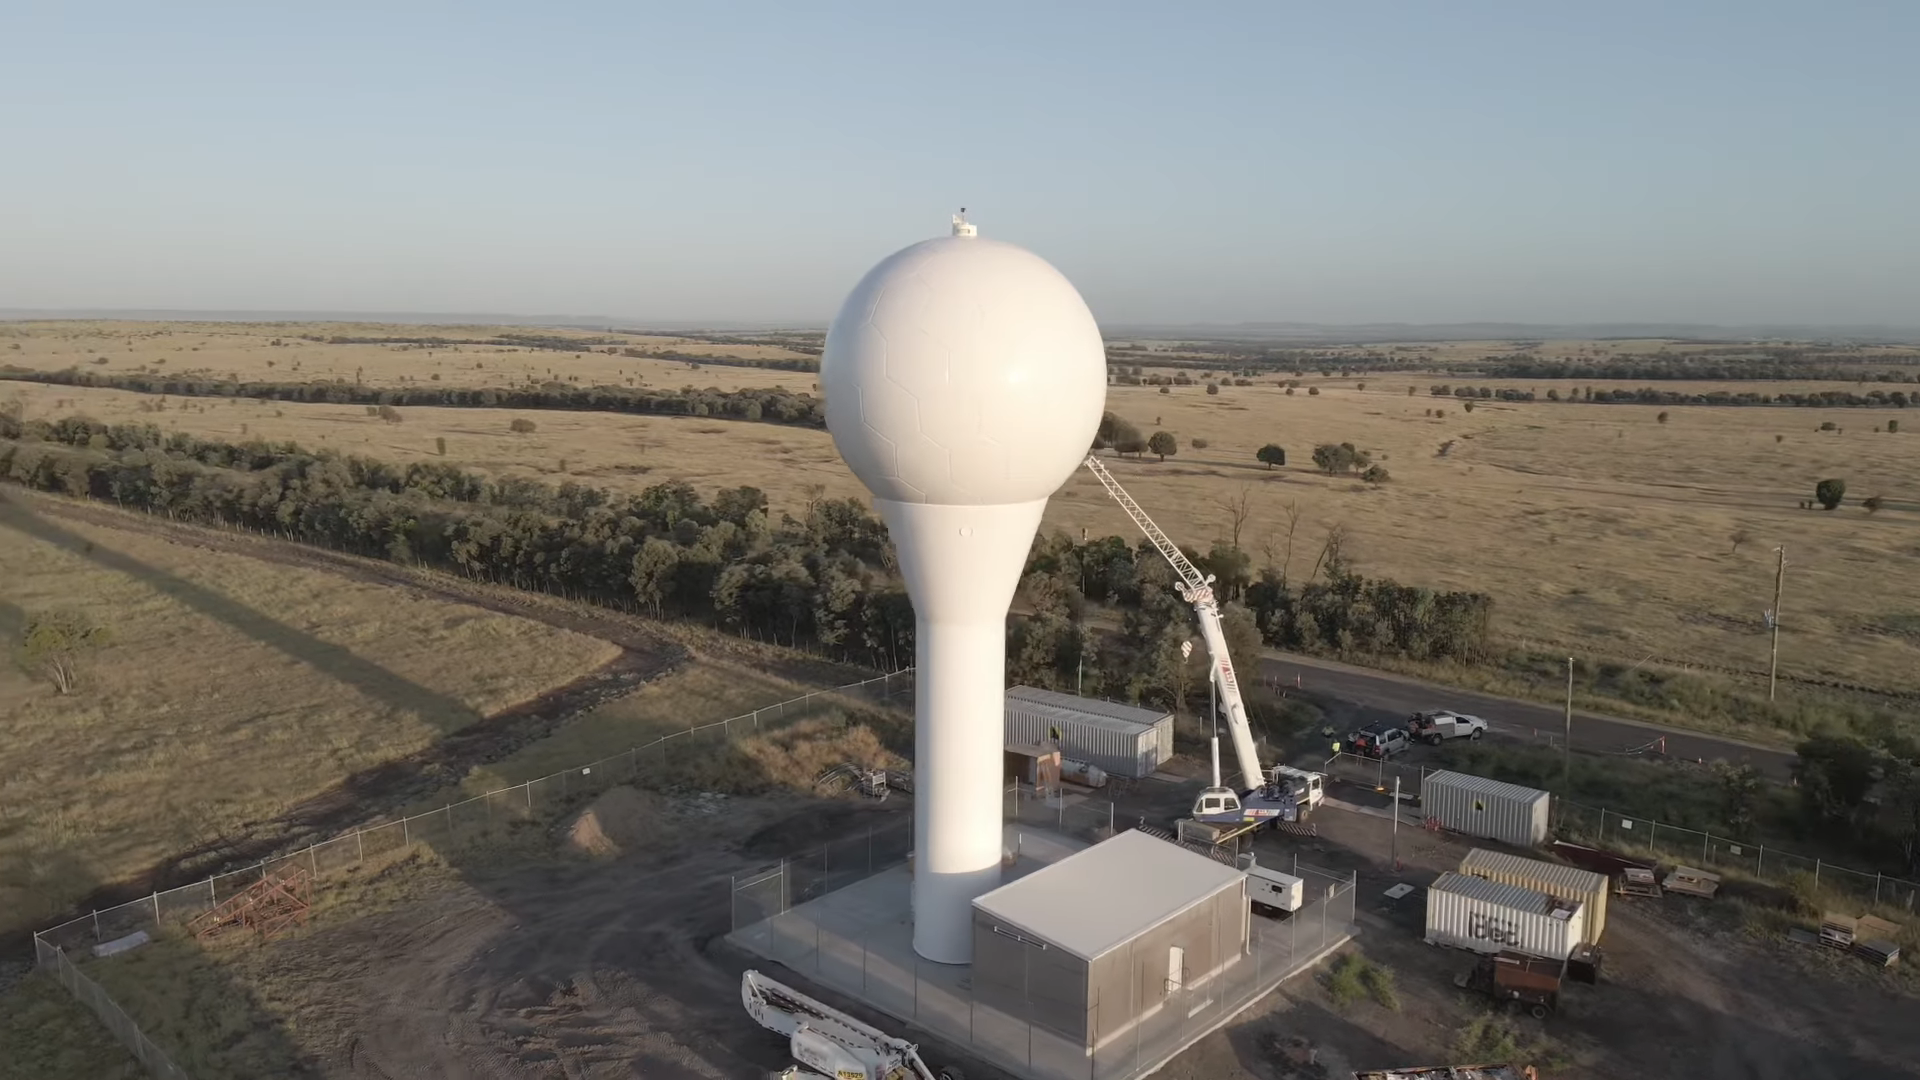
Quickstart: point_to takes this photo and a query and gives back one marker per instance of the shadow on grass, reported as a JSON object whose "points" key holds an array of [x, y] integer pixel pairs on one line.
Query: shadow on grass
{"points": [[376, 682]]}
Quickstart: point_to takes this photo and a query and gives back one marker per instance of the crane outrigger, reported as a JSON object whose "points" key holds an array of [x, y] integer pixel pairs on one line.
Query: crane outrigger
{"points": [[1261, 795]]}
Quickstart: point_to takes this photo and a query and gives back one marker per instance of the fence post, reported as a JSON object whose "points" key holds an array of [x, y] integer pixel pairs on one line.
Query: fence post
{"points": [[359, 846], [1816, 873], [1876, 888], [96, 916], [156, 907], [406, 832], [1704, 837], [528, 788], [313, 862], [1653, 830]]}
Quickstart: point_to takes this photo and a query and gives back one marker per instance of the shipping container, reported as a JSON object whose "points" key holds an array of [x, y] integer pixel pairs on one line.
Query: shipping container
{"points": [[1123, 740], [1477, 806], [1554, 879], [1487, 917]]}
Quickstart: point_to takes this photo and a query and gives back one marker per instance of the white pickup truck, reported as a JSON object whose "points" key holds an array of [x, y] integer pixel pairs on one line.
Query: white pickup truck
{"points": [[1441, 724]]}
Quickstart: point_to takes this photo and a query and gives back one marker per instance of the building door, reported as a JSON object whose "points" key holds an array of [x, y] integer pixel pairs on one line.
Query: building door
{"points": [[1176, 969]]}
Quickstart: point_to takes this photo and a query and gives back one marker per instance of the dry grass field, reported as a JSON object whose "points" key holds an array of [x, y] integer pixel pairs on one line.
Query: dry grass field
{"points": [[1598, 529], [228, 689], [246, 351]]}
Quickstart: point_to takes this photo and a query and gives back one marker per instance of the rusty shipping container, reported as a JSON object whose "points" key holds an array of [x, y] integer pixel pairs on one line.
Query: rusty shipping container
{"points": [[1477, 806], [1554, 879], [1124, 740], [1487, 917]]}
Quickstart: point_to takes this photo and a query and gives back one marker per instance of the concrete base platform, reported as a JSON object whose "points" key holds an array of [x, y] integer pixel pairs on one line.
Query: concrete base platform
{"points": [[858, 940]]}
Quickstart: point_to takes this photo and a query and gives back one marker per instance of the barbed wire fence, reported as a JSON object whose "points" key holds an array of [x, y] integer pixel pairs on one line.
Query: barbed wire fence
{"points": [[468, 819]]}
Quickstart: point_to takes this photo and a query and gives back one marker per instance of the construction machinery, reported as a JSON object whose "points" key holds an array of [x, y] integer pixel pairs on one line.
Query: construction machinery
{"points": [[1284, 794], [827, 1043]]}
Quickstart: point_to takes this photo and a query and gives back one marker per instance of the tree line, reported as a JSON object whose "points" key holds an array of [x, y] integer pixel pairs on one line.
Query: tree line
{"points": [[773, 405], [827, 577], [1646, 395], [1783, 364]]}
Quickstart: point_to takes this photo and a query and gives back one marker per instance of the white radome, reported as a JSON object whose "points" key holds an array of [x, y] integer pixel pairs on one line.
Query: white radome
{"points": [[964, 371]]}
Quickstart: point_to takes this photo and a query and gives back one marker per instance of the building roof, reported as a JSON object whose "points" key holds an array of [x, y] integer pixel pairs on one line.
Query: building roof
{"points": [[1496, 789], [1568, 880], [1090, 710], [1516, 897], [1095, 900]]}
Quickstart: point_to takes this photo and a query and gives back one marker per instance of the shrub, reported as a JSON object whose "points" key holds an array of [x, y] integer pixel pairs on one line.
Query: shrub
{"points": [[1213, 388], [1829, 493], [1467, 406], [522, 426], [1198, 444], [1165, 390], [1272, 454], [1313, 391], [1779, 438], [440, 446], [1829, 426], [1893, 427], [1289, 391], [1662, 418], [1376, 474], [1872, 503]]}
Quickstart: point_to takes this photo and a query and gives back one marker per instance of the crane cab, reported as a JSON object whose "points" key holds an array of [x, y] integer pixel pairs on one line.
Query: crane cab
{"points": [[1217, 804]]}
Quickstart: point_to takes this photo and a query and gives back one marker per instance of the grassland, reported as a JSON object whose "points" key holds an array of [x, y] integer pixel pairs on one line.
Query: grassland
{"points": [[229, 688], [245, 351], [1598, 529]]}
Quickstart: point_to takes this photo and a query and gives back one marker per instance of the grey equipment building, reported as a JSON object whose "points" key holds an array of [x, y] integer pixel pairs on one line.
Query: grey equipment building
{"points": [[1108, 937], [1123, 740]]}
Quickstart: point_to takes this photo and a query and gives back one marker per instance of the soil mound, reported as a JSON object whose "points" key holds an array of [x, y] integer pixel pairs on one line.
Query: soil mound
{"points": [[624, 819]]}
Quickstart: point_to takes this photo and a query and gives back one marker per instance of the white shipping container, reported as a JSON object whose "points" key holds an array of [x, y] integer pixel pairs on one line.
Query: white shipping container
{"points": [[1124, 740], [1554, 879], [1477, 806], [1487, 917]]}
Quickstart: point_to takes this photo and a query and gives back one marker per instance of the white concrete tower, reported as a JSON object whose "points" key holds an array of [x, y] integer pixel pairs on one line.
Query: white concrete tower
{"points": [[964, 381]]}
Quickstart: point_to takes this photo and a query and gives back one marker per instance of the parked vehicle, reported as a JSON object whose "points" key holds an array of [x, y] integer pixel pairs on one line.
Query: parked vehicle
{"points": [[1380, 740], [1439, 725], [1516, 981]]}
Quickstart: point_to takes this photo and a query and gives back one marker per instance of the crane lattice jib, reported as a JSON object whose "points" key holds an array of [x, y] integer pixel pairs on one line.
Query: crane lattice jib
{"points": [[1190, 575]]}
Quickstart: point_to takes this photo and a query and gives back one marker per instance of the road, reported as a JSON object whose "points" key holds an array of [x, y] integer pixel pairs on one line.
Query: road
{"points": [[1354, 696]]}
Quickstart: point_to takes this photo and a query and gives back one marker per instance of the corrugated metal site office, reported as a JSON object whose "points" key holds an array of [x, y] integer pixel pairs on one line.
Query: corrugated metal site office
{"points": [[1099, 941], [1477, 806], [1124, 740]]}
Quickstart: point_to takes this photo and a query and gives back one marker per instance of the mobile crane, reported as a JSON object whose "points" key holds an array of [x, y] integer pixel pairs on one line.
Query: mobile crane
{"points": [[1261, 796]]}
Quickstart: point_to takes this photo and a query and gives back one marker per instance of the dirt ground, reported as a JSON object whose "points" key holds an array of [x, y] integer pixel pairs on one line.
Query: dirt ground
{"points": [[526, 962]]}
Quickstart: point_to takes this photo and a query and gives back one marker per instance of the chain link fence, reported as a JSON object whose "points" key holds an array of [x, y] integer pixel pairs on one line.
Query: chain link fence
{"points": [[471, 819], [1653, 839], [865, 951], [54, 962]]}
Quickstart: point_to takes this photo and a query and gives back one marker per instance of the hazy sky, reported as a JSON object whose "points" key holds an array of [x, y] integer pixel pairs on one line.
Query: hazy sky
{"points": [[1424, 161]]}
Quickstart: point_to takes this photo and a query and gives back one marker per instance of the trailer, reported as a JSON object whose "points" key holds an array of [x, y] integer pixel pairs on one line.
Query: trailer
{"points": [[1271, 892], [1516, 980]]}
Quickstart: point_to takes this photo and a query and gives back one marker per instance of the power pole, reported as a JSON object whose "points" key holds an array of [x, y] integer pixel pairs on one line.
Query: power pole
{"points": [[1566, 740], [1779, 578]]}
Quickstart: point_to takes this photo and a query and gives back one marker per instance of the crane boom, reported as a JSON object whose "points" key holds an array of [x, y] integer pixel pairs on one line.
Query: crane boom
{"points": [[1197, 589]]}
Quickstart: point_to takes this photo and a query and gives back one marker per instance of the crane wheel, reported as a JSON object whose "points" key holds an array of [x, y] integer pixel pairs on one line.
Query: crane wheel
{"points": [[1539, 1012], [951, 1073]]}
